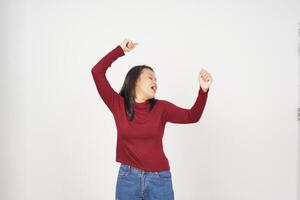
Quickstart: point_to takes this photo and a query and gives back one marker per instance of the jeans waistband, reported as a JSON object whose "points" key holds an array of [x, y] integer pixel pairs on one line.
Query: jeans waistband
{"points": [[134, 169]]}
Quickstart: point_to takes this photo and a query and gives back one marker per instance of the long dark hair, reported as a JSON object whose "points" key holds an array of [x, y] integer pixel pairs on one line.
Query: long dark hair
{"points": [[128, 90]]}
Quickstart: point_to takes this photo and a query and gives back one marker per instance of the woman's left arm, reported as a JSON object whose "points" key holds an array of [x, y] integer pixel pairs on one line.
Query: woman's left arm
{"points": [[176, 114]]}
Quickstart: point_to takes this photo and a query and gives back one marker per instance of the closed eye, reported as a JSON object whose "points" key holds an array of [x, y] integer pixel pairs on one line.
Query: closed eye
{"points": [[151, 78]]}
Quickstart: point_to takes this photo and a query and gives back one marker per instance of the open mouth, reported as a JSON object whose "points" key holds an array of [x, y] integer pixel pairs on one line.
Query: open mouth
{"points": [[153, 88]]}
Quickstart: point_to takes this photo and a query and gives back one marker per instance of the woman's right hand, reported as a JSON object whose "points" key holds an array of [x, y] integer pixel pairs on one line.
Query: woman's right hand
{"points": [[127, 45]]}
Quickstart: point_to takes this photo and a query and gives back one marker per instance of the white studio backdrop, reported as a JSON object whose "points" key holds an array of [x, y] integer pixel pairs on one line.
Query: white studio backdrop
{"points": [[58, 138]]}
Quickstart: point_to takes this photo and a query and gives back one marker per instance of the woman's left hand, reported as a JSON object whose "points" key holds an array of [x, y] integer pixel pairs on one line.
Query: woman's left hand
{"points": [[205, 79]]}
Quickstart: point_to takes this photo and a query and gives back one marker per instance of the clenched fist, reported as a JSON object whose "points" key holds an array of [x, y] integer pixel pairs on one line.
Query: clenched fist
{"points": [[127, 45], [205, 79]]}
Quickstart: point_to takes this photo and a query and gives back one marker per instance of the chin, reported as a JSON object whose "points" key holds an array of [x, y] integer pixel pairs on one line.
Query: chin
{"points": [[151, 96]]}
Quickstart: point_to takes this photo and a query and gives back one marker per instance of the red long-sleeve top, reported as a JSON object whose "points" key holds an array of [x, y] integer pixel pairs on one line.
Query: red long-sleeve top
{"points": [[139, 142]]}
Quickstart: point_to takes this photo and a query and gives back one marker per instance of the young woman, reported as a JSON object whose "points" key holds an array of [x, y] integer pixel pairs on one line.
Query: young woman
{"points": [[140, 118]]}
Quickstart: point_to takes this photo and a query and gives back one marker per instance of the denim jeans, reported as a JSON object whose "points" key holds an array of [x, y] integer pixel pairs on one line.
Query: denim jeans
{"points": [[137, 184]]}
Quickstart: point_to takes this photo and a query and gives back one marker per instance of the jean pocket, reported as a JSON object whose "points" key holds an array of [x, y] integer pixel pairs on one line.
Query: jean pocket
{"points": [[124, 170], [164, 174]]}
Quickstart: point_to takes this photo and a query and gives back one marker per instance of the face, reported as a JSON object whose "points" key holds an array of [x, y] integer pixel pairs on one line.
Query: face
{"points": [[146, 85]]}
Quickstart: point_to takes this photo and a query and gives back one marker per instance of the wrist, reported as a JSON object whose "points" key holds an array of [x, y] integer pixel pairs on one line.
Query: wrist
{"points": [[204, 89]]}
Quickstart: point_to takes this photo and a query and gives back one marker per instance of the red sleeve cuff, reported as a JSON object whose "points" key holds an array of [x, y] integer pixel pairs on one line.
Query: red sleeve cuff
{"points": [[119, 51], [201, 90]]}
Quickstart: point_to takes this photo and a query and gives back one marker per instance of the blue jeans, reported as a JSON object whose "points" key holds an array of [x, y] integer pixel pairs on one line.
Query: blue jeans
{"points": [[137, 184]]}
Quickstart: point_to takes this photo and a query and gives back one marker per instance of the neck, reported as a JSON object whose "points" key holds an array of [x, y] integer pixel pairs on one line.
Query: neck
{"points": [[140, 100]]}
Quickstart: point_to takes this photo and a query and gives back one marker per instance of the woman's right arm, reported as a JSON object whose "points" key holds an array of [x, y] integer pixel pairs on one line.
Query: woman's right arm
{"points": [[107, 93], [109, 96]]}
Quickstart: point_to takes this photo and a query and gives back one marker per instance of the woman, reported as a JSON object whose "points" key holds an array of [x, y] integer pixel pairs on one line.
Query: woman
{"points": [[140, 119]]}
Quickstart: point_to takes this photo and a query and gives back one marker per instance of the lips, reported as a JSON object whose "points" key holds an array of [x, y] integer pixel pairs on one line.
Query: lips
{"points": [[153, 88]]}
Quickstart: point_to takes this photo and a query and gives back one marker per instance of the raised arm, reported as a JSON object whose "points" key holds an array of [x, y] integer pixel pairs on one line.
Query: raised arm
{"points": [[175, 114], [107, 93], [178, 115]]}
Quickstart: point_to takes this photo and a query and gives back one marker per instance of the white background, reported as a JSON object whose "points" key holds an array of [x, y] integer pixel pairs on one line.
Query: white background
{"points": [[58, 138]]}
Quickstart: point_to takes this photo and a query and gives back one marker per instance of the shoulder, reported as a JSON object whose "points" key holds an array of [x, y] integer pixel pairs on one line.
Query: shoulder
{"points": [[162, 102]]}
